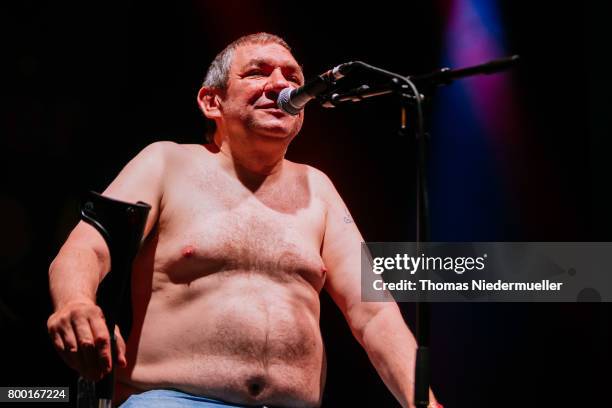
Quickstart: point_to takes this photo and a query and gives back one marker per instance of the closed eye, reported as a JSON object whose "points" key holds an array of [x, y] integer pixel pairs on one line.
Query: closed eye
{"points": [[258, 72], [254, 72]]}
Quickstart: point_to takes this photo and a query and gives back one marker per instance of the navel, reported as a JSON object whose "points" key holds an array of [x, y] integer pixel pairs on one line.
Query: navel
{"points": [[256, 385]]}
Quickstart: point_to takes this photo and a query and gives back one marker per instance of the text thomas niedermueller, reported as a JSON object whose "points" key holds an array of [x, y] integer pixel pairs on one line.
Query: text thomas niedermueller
{"points": [[476, 285]]}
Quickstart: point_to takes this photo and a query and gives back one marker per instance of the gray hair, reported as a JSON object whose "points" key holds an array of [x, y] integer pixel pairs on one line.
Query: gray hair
{"points": [[218, 72]]}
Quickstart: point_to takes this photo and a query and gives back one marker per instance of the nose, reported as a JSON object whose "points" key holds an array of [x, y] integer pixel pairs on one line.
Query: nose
{"points": [[276, 83]]}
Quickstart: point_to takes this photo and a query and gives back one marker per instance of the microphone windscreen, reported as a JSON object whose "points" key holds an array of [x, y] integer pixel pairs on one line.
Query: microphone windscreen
{"points": [[284, 102]]}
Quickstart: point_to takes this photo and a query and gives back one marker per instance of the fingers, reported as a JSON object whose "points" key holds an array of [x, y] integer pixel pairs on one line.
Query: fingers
{"points": [[86, 349], [101, 340], [79, 334], [120, 347], [65, 341], [57, 340], [68, 337]]}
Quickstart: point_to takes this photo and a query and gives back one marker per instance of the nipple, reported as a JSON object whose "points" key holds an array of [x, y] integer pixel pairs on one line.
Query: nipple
{"points": [[323, 275], [188, 251]]}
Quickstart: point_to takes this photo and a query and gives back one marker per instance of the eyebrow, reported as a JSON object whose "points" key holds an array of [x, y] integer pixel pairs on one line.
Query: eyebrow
{"points": [[262, 61]]}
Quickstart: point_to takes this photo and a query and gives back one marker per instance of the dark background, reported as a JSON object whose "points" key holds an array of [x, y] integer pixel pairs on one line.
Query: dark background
{"points": [[89, 85]]}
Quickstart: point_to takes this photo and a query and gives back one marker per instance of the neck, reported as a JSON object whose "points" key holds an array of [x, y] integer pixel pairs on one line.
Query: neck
{"points": [[254, 161]]}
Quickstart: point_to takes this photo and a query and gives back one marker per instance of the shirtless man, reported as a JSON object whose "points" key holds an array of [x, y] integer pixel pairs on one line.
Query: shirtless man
{"points": [[239, 243]]}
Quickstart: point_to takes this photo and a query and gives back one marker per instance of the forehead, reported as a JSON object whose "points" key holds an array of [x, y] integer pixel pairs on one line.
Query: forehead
{"points": [[271, 54]]}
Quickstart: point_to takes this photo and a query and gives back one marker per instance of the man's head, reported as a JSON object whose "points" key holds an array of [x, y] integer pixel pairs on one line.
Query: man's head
{"points": [[242, 84]]}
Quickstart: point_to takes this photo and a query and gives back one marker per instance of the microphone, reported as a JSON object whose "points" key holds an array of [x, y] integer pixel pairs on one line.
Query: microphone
{"points": [[293, 100]]}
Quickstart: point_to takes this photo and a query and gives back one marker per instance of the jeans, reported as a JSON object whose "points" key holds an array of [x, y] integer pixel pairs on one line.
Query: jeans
{"points": [[173, 399]]}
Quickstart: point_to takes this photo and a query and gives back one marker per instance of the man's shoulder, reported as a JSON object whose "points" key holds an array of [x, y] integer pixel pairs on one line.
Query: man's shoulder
{"points": [[163, 148], [167, 152], [318, 180]]}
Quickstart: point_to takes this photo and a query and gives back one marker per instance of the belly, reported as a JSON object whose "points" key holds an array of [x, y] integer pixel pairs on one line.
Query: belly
{"points": [[240, 337]]}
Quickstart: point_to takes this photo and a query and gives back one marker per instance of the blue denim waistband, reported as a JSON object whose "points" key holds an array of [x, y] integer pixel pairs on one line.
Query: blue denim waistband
{"points": [[170, 398]]}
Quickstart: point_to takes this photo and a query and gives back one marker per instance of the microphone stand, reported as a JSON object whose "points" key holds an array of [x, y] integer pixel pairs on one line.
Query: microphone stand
{"points": [[410, 96]]}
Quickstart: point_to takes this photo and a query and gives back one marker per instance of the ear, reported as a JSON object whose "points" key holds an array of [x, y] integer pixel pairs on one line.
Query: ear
{"points": [[208, 101]]}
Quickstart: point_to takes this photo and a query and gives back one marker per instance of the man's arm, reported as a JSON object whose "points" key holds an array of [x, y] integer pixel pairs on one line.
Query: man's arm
{"points": [[77, 326], [377, 326]]}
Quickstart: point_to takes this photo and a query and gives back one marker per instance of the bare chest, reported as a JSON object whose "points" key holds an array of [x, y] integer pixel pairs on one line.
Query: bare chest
{"points": [[222, 230]]}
